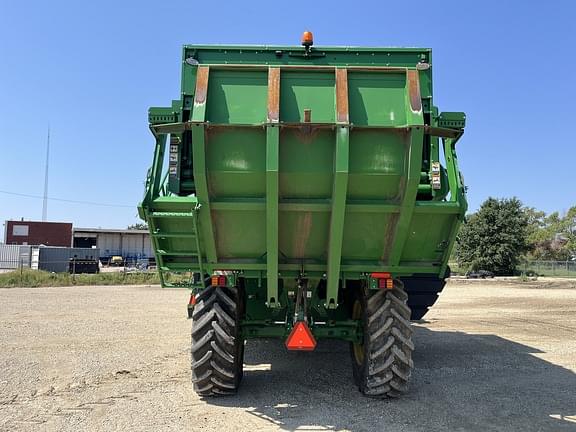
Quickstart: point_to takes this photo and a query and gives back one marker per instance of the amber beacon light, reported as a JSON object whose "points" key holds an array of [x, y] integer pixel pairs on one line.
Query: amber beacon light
{"points": [[307, 39]]}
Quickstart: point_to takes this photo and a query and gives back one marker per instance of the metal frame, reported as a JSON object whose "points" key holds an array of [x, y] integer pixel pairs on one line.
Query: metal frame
{"points": [[199, 155], [272, 161], [338, 209]]}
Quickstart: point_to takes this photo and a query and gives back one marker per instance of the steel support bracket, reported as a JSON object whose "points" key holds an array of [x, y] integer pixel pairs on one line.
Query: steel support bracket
{"points": [[272, 162], [340, 189]]}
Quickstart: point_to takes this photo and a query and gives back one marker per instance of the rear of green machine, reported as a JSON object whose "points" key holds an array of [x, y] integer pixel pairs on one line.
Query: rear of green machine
{"points": [[304, 193]]}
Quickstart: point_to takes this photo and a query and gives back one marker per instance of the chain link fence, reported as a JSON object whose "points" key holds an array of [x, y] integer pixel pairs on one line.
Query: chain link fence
{"points": [[532, 268], [549, 268]]}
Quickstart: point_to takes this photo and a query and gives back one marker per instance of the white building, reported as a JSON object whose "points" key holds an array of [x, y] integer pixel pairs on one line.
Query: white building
{"points": [[127, 243]]}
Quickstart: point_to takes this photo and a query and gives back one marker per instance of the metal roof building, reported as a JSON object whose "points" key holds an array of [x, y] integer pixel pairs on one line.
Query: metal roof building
{"points": [[127, 243]]}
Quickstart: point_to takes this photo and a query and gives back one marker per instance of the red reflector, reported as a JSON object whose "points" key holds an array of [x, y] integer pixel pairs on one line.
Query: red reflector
{"points": [[192, 300], [382, 283], [301, 338], [381, 275], [222, 281]]}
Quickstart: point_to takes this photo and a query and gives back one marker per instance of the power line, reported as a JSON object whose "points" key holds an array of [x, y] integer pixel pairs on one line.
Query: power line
{"points": [[66, 200]]}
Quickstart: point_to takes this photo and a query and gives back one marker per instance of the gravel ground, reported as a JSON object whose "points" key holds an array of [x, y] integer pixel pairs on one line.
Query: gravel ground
{"points": [[492, 355]]}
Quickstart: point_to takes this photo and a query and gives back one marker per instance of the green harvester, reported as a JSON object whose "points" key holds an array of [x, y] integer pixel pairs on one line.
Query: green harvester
{"points": [[304, 193]]}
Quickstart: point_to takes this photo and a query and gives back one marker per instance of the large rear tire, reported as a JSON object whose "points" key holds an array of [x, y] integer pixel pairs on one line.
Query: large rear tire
{"points": [[217, 348], [382, 363], [423, 291]]}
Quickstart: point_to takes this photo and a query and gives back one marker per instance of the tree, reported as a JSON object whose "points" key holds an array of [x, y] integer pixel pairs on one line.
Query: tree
{"points": [[495, 237], [536, 222], [569, 225], [554, 238], [138, 226]]}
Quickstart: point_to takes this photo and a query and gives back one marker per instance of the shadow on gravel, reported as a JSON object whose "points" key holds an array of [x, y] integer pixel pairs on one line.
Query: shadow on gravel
{"points": [[461, 382]]}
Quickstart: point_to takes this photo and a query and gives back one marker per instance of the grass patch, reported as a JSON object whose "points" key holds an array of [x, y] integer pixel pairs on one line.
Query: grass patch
{"points": [[39, 278]]}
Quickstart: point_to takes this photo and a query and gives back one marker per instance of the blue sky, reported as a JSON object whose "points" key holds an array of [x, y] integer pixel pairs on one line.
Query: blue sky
{"points": [[92, 69]]}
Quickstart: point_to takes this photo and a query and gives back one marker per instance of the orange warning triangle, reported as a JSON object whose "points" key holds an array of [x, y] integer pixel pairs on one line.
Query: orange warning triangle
{"points": [[301, 338]]}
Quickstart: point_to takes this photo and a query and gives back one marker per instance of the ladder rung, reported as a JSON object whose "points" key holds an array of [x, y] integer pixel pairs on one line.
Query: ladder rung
{"points": [[180, 235], [171, 214], [179, 253]]}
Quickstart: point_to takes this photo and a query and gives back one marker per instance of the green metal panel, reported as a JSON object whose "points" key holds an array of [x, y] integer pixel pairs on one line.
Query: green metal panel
{"points": [[289, 165], [236, 162], [228, 92], [306, 163], [307, 90], [377, 160], [366, 93]]}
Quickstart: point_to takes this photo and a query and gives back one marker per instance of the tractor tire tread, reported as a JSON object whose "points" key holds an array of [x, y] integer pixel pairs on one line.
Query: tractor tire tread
{"points": [[388, 345], [215, 363]]}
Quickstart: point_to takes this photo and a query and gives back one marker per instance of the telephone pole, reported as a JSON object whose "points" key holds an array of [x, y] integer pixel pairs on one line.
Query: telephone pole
{"points": [[45, 202]]}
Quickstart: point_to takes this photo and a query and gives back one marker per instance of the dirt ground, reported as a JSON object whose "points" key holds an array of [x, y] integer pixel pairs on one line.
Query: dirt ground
{"points": [[492, 355]]}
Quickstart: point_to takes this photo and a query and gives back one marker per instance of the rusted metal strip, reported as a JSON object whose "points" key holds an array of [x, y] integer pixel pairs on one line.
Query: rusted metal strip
{"points": [[342, 115], [201, 85], [414, 90], [273, 95]]}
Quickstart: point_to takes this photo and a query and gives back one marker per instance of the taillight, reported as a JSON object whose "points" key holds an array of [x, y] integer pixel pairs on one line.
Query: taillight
{"points": [[382, 280], [218, 280]]}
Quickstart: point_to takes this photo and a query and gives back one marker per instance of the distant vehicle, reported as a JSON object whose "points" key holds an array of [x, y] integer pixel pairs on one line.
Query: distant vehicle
{"points": [[116, 261], [479, 274]]}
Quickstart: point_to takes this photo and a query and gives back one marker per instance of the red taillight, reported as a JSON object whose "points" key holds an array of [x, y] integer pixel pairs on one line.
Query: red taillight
{"points": [[218, 280], [385, 280], [192, 300]]}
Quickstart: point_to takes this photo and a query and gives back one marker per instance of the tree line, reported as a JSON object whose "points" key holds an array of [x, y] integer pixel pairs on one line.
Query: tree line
{"points": [[504, 232]]}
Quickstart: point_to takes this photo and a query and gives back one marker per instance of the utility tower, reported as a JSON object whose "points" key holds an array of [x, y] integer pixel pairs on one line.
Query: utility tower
{"points": [[45, 202]]}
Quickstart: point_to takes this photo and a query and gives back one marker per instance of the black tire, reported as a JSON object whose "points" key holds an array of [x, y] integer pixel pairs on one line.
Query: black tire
{"points": [[423, 291], [217, 348], [382, 363]]}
